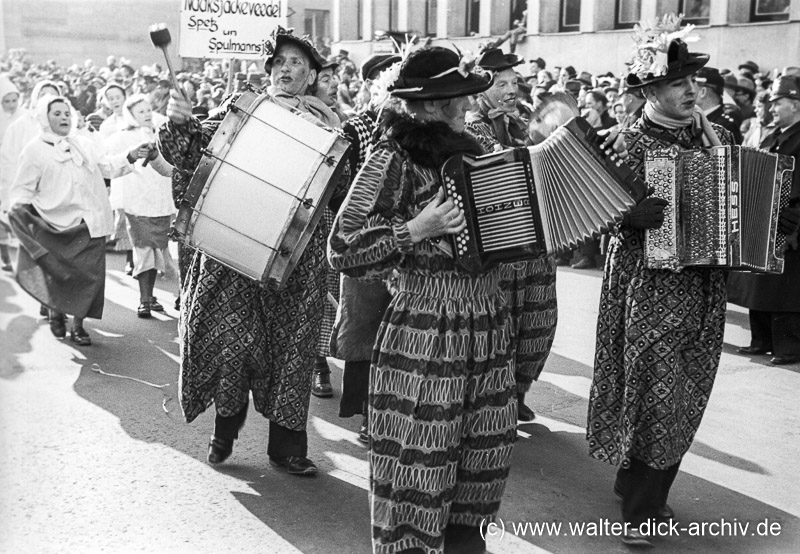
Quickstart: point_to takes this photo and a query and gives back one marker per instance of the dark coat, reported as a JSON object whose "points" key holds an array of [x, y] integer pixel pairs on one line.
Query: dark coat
{"points": [[774, 293], [729, 119]]}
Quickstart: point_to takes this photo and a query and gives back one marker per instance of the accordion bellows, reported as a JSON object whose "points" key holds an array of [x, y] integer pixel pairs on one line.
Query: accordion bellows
{"points": [[524, 202], [723, 208]]}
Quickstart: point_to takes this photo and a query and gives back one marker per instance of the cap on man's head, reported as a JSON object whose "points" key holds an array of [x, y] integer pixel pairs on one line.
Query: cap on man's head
{"points": [[785, 86], [539, 62], [376, 63], [493, 59], [752, 67], [710, 77]]}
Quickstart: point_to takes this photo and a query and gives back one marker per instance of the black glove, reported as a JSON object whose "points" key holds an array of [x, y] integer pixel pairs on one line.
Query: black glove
{"points": [[647, 214], [789, 220]]}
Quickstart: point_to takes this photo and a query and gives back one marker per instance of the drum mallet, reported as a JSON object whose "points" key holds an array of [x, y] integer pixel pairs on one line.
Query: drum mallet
{"points": [[159, 36]]}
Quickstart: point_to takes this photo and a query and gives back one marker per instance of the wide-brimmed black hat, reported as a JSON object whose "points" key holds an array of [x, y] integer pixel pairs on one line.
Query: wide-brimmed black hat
{"points": [[281, 36], [436, 73], [376, 63], [680, 63], [493, 59]]}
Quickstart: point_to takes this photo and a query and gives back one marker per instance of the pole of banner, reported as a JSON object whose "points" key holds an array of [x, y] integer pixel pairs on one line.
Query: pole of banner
{"points": [[231, 72]]}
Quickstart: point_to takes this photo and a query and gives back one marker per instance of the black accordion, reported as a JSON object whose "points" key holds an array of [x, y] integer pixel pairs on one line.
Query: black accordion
{"points": [[723, 208], [523, 203]]}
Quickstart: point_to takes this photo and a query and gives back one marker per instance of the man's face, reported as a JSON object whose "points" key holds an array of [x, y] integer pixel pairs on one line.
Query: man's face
{"points": [[291, 70], [503, 92], [327, 86], [785, 112], [675, 98], [741, 98]]}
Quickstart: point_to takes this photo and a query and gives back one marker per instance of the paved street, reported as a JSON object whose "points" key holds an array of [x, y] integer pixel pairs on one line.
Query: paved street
{"points": [[94, 461]]}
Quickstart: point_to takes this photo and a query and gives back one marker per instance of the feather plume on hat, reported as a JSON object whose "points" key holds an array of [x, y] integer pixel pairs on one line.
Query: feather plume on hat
{"points": [[653, 38]]}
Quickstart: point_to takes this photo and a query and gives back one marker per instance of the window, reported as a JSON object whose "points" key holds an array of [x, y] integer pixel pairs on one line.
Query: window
{"points": [[627, 13], [570, 16], [769, 10], [518, 8], [316, 23], [473, 17], [385, 15], [695, 11], [350, 20], [430, 17]]}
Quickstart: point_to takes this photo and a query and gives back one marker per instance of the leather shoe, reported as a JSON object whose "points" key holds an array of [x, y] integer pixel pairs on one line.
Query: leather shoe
{"points": [[143, 310], [219, 450], [635, 538], [58, 326], [785, 360], [363, 431], [665, 512], [321, 385], [44, 311], [752, 350], [524, 413], [79, 336], [294, 465]]}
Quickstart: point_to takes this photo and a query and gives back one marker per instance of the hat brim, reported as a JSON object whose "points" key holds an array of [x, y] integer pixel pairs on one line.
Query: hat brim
{"points": [[284, 39], [691, 65], [430, 89], [502, 66]]}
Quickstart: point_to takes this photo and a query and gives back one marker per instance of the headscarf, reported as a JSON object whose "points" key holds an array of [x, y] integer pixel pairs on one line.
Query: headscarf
{"points": [[67, 148], [698, 121], [128, 121], [37, 91], [7, 86]]}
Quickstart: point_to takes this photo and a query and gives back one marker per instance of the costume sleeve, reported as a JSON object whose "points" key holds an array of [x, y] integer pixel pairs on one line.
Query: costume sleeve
{"points": [[26, 182], [182, 147], [370, 235], [483, 133], [114, 166]]}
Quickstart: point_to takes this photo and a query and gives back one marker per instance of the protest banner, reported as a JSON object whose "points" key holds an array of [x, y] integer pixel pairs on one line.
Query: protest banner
{"points": [[229, 28]]}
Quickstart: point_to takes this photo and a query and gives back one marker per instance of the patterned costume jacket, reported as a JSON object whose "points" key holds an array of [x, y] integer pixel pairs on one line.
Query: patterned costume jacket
{"points": [[659, 339]]}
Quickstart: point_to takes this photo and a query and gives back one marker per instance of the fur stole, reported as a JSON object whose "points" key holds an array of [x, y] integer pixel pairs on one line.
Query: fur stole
{"points": [[428, 143]]}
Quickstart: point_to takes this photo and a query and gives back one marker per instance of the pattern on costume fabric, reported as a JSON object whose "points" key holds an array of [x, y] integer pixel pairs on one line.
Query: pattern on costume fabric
{"points": [[238, 337], [360, 130], [659, 340], [442, 416], [529, 292], [323, 347]]}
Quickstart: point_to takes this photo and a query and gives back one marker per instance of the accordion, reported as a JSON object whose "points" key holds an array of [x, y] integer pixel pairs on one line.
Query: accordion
{"points": [[525, 202], [723, 208]]}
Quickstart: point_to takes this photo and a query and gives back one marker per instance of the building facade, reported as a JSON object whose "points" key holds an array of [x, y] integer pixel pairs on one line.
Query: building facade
{"points": [[591, 35]]}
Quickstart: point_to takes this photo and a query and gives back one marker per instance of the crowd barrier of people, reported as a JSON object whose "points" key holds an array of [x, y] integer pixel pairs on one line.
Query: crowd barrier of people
{"points": [[438, 360]]}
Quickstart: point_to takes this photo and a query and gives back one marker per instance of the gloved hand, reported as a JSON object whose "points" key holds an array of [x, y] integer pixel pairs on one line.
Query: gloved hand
{"points": [[789, 219], [153, 153], [647, 214]]}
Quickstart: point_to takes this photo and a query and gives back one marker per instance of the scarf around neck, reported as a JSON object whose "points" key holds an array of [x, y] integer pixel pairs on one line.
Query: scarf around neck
{"points": [[698, 121], [68, 148], [307, 104], [509, 128]]}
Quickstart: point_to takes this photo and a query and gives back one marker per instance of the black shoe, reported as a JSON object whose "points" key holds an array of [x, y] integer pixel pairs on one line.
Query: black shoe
{"points": [[58, 326], [219, 450], [524, 413], [43, 311], [363, 431], [618, 491], [785, 360], [178, 303], [143, 310], [128, 268], [80, 337], [294, 465], [752, 350], [665, 512], [7, 267], [321, 385], [155, 305], [585, 263], [635, 538]]}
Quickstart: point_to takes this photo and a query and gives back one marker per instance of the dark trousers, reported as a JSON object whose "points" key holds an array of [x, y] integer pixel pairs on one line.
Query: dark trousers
{"points": [[355, 388], [644, 490], [778, 332], [458, 539], [282, 441]]}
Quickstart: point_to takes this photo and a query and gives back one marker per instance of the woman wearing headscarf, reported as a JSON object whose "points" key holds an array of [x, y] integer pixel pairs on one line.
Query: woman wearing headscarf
{"points": [[442, 402], [145, 195], [61, 215], [113, 95], [10, 112]]}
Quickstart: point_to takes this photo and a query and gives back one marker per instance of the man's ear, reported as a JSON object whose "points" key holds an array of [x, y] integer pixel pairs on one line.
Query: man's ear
{"points": [[312, 77]]}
